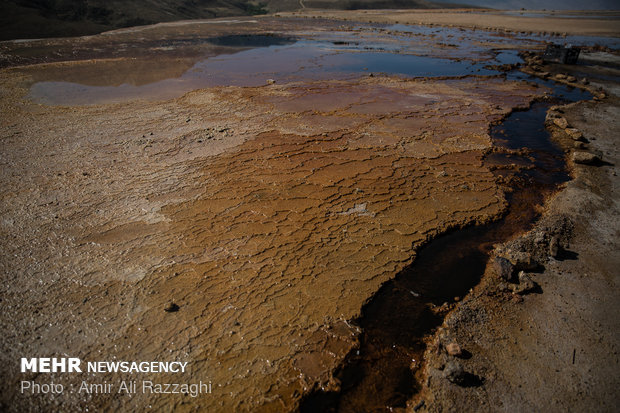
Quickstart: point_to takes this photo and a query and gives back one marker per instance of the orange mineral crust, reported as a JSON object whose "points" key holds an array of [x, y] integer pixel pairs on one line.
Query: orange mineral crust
{"points": [[237, 229]]}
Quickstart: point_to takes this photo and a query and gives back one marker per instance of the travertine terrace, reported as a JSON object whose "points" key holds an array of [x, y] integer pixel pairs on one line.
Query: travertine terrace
{"points": [[267, 214]]}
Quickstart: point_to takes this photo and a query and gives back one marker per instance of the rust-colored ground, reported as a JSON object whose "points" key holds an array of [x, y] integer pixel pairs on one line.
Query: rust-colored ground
{"points": [[268, 215]]}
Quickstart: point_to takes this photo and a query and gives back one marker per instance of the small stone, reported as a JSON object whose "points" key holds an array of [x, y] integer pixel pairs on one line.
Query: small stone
{"points": [[571, 78], [554, 247], [525, 284], [503, 287], [585, 81], [271, 81], [522, 260], [503, 268], [454, 349], [585, 158], [561, 122], [454, 372], [574, 133], [579, 145], [171, 307], [560, 76]]}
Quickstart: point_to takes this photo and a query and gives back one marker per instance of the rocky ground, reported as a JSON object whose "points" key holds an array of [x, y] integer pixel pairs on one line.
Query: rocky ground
{"points": [[547, 339]]}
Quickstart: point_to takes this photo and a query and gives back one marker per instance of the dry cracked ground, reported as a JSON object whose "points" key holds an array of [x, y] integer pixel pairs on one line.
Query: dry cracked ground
{"points": [[264, 216]]}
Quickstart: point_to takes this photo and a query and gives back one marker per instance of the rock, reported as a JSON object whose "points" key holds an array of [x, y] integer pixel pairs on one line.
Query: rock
{"points": [[171, 307], [454, 372], [503, 287], [571, 78], [585, 158], [579, 145], [503, 268], [561, 122], [554, 247], [525, 284], [560, 76], [574, 133], [454, 349], [271, 82], [521, 260], [585, 81], [544, 75]]}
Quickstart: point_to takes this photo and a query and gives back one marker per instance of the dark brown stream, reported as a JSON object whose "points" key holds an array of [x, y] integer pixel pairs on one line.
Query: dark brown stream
{"points": [[379, 375]]}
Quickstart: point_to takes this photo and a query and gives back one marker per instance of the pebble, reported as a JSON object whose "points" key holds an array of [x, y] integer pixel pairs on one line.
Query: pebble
{"points": [[171, 307], [561, 122], [574, 133], [454, 349]]}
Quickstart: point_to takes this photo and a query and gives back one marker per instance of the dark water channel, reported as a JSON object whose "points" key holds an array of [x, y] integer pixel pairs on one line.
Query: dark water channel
{"points": [[381, 374]]}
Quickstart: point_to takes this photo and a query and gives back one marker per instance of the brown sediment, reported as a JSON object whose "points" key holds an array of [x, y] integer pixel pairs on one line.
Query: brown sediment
{"points": [[268, 215]]}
